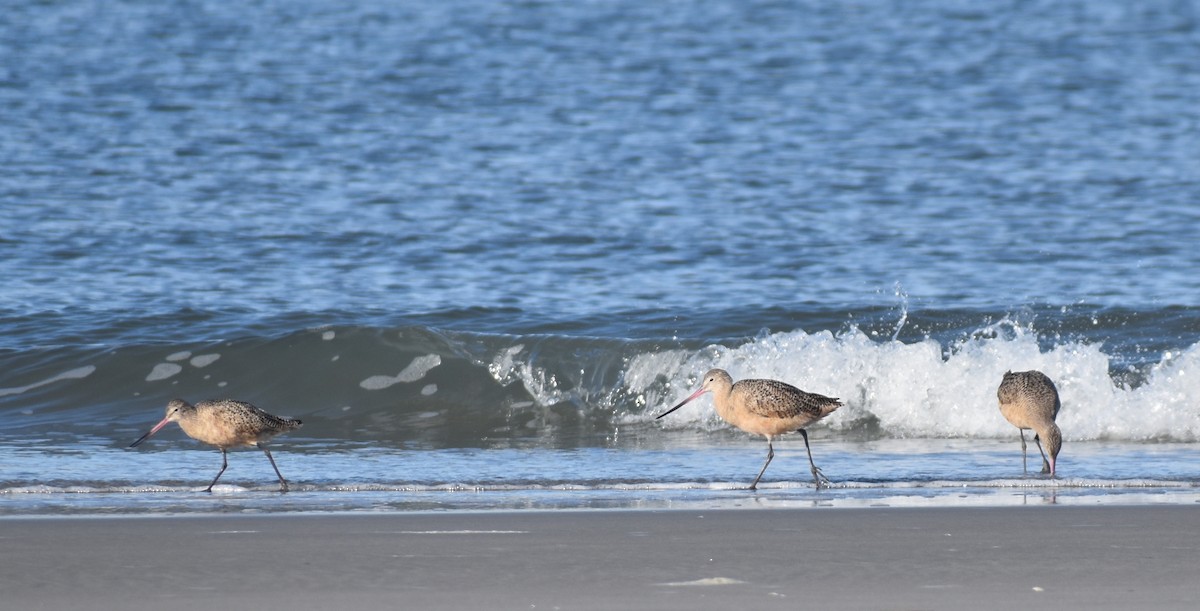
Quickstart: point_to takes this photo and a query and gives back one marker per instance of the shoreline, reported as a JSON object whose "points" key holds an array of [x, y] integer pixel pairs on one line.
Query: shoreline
{"points": [[304, 499], [1111, 557]]}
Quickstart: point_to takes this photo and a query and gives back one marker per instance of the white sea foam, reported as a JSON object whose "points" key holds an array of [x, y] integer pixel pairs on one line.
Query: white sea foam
{"points": [[707, 581], [163, 371], [542, 385], [419, 367], [378, 382], [74, 374], [204, 360], [924, 390], [415, 370]]}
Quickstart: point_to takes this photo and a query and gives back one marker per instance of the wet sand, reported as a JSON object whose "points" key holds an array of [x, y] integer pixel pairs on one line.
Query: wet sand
{"points": [[937, 558]]}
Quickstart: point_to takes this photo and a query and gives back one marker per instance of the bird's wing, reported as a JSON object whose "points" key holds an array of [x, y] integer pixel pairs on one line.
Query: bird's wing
{"points": [[774, 399]]}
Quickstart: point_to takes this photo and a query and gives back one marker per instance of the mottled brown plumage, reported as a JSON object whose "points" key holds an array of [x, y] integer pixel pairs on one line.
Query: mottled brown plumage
{"points": [[765, 407], [1029, 400], [226, 424]]}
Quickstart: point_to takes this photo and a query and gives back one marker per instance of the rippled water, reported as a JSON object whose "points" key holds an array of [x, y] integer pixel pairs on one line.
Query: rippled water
{"points": [[579, 157], [561, 213]]}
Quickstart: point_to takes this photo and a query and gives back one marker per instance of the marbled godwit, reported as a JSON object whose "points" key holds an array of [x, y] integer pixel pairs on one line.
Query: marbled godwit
{"points": [[226, 424], [765, 407], [1029, 400]]}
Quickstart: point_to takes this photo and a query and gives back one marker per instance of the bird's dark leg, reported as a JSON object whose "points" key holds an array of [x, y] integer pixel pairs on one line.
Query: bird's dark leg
{"points": [[1045, 463], [224, 463], [1024, 467], [283, 486], [818, 477], [770, 455]]}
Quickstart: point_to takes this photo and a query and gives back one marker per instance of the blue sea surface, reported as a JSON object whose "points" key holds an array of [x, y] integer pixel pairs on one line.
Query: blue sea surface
{"points": [[478, 246]]}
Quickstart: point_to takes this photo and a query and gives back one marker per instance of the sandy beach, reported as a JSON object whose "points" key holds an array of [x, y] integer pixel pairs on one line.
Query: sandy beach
{"points": [[942, 558]]}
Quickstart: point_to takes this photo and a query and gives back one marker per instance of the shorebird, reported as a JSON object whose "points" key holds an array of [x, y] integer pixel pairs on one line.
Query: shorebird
{"points": [[1029, 400], [226, 424], [765, 407]]}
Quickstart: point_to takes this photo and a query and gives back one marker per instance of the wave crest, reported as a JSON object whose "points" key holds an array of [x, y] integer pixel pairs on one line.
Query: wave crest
{"points": [[456, 388]]}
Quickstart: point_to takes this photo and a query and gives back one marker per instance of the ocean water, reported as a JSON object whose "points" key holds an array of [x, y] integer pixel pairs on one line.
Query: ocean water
{"points": [[478, 246]]}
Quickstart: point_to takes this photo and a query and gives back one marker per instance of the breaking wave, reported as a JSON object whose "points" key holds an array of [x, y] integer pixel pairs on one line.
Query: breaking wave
{"points": [[1122, 375]]}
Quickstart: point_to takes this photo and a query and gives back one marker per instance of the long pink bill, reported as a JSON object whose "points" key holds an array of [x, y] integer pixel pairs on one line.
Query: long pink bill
{"points": [[681, 403], [152, 431]]}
